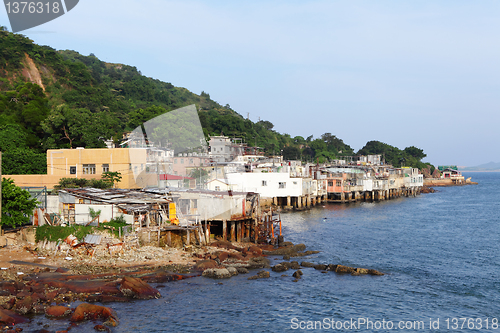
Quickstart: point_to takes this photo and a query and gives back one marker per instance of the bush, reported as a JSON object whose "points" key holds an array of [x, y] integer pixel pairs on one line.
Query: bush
{"points": [[55, 233]]}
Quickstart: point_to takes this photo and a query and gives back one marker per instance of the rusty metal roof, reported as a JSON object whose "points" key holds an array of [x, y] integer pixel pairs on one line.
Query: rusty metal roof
{"points": [[118, 196]]}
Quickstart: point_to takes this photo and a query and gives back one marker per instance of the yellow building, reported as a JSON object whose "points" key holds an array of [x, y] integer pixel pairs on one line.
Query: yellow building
{"points": [[137, 166]]}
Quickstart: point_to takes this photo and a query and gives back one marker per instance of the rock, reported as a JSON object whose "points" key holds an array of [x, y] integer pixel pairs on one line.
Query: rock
{"points": [[204, 264], [86, 311], [287, 244], [286, 257], [296, 280], [307, 264], [242, 270], [10, 303], [259, 262], [290, 250], [217, 273], [26, 304], [255, 249], [279, 268], [297, 274], [293, 265], [39, 308], [260, 275], [320, 267], [8, 317], [136, 288], [374, 272], [57, 311], [232, 270], [62, 270], [223, 256], [101, 328], [341, 269]]}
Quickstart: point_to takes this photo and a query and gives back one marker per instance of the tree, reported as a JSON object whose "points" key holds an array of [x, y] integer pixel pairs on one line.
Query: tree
{"points": [[291, 153], [77, 127], [17, 204], [112, 177], [266, 124], [199, 174]]}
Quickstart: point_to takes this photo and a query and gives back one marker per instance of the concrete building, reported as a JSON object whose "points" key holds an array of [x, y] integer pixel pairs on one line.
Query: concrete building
{"points": [[139, 167]]}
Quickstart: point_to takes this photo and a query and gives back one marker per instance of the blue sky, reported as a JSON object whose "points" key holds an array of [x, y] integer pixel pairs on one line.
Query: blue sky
{"points": [[422, 73]]}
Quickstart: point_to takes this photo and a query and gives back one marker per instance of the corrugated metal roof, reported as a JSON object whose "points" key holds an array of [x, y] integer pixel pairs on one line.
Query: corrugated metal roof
{"points": [[93, 239]]}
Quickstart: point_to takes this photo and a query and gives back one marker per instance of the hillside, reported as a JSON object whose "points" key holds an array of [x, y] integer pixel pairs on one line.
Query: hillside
{"points": [[491, 166], [62, 99]]}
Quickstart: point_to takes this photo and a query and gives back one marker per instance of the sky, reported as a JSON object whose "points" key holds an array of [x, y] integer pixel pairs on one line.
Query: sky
{"points": [[408, 73]]}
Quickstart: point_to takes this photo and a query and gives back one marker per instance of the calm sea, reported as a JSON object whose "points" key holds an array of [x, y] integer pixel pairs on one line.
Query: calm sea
{"points": [[440, 253]]}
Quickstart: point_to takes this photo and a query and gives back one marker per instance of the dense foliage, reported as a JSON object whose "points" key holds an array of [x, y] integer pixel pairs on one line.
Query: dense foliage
{"points": [[17, 204], [81, 101], [410, 156]]}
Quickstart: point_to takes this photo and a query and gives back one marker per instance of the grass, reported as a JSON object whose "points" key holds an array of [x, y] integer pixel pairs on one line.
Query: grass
{"points": [[55, 233]]}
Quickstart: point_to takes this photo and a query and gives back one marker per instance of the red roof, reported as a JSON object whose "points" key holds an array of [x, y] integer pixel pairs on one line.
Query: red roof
{"points": [[173, 177]]}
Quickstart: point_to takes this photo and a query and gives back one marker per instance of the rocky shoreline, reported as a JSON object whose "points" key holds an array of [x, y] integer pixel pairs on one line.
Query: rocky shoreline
{"points": [[50, 290]]}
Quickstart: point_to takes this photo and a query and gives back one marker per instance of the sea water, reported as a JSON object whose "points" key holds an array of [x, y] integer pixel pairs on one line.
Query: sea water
{"points": [[440, 253]]}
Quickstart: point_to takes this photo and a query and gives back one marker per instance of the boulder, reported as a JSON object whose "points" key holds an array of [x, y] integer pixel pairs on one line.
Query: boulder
{"points": [[242, 270], [232, 270], [8, 317], [260, 275], [259, 262], [374, 272], [255, 249], [292, 265], [290, 250], [307, 264], [341, 269], [102, 328], [217, 273], [25, 305], [204, 264], [320, 267], [297, 274], [223, 256], [57, 311], [136, 288], [279, 268], [86, 311]]}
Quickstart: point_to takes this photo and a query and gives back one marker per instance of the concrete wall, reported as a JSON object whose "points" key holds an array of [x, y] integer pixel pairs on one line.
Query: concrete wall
{"points": [[82, 215], [252, 182]]}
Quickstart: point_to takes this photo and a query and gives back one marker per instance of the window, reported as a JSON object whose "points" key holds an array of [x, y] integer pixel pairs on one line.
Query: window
{"points": [[281, 185], [105, 168], [89, 169], [182, 161], [330, 183], [339, 183], [217, 188], [191, 161], [264, 183], [175, 161]]}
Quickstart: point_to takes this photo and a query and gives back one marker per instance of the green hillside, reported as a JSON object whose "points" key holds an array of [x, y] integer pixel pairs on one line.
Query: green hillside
{"points": [[62, 99]]}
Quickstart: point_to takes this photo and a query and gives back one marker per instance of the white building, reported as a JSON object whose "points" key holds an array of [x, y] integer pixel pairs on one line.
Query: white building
{"points": [[268, 185]]}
